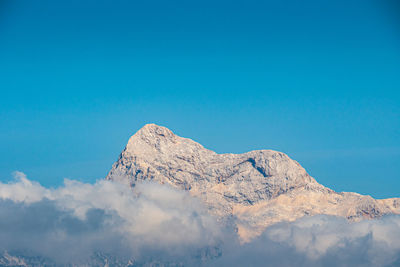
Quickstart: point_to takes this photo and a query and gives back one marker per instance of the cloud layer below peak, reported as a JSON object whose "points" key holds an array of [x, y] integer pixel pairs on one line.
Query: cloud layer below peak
{"points": [[81, 223]]}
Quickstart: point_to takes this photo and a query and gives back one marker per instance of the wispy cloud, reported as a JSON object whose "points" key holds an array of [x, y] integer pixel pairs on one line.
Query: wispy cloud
{"points": [[323, 241]]}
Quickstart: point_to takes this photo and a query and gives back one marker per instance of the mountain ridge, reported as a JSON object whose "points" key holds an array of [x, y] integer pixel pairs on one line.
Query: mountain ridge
{"points": [[254, 189]]}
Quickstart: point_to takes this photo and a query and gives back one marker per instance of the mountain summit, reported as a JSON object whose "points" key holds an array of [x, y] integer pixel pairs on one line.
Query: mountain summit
{"points": [[254, 189]]}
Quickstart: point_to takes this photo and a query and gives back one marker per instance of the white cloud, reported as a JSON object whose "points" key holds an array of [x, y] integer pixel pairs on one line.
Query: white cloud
{"points": [[156, 223], [323, 241], [78, 219], [22, 190]]}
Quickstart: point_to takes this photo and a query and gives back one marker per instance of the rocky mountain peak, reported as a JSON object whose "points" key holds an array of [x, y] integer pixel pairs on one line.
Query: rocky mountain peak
{"points": [[255, 189], [153, 138], [154, 131]]}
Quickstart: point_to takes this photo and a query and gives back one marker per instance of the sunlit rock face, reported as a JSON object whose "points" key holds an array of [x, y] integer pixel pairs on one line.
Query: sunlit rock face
{"points": [[253, 190]]}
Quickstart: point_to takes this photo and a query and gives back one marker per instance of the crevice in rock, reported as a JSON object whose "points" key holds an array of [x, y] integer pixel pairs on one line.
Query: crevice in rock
{"points": [[259, 169]]}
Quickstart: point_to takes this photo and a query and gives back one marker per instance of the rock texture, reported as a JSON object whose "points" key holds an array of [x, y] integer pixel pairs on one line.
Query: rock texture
{"points": [[254, 189]]}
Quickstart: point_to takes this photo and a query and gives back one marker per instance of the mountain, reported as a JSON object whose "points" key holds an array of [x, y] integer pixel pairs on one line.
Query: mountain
{"points": [[254, 189]]}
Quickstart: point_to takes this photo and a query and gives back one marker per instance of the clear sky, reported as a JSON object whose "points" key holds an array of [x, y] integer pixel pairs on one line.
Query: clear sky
{"points": [[318, 80]]}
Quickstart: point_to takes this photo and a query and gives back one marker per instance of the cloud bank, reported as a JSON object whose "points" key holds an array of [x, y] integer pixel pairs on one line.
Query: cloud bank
{"points": [[72, 222], [110, 223], [323, 241]]}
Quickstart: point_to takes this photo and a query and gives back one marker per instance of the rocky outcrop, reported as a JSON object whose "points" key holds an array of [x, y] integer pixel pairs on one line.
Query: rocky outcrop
{"points": [[255, 189]]}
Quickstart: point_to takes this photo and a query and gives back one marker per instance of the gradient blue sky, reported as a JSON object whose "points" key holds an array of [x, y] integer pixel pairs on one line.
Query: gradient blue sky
{"points": [[318, 80]]}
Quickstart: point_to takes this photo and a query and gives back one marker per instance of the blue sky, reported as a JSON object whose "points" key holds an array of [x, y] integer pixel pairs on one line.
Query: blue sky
{"points": [[318, 80]]}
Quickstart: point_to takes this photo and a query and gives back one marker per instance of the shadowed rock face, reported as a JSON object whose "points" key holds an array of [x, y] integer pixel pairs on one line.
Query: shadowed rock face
{"points": [[254, 189]]}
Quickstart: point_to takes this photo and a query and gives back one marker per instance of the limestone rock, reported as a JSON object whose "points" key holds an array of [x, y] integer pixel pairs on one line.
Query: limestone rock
{"points": [[254, 189]]}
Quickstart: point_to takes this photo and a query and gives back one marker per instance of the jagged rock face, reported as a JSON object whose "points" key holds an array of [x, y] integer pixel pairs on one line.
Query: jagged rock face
{"points": [[255, 189]]}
